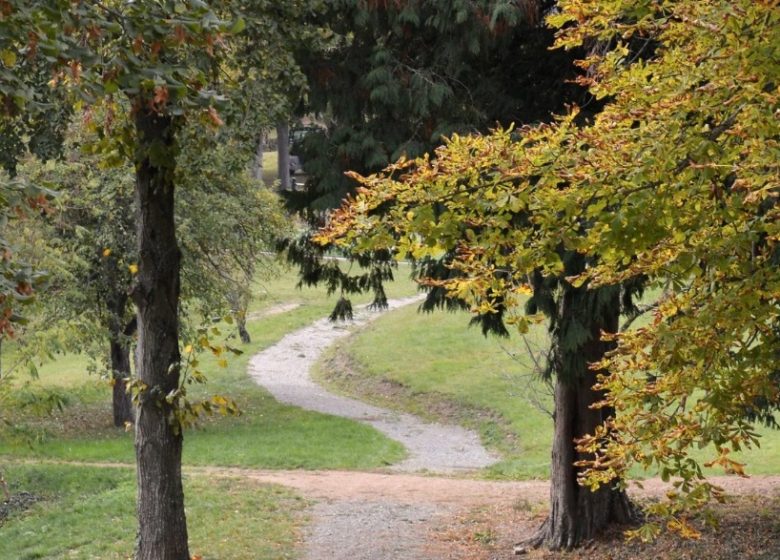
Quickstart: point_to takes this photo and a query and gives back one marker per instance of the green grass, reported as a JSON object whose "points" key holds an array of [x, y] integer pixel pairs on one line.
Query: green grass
{"points": [[280, 287], [69, 370], [267, 435], [435, 357], [270, 168], [89, 513], [438, 354]]}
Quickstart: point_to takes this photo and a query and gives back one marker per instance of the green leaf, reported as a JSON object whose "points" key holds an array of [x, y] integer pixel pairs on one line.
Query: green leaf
{"points": [[238, 26]]}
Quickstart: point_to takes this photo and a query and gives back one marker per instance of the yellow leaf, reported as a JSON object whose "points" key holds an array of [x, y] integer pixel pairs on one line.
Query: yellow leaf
{"points": [[222, 363], [106, 252], [524, 289], [133, 268], [8, 57], [188, 349]]}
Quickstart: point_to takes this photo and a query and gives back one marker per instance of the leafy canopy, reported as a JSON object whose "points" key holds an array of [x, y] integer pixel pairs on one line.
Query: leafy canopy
{"points": [[675, 181]]}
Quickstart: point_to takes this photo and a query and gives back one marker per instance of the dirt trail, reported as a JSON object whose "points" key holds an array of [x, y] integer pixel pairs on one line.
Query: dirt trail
{"points": [[380, 516]]}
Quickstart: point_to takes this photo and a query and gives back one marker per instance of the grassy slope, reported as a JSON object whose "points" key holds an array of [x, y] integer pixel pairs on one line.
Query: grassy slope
{"points": [[440, 355], [268, 434]]}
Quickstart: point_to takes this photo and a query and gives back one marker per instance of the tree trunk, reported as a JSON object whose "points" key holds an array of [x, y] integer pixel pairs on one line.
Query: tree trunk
{"points": [[242, 332], [257, 165], [576, 513], [283, 150], [238, 303], [162, 533], [120, 371], [119, 351]]}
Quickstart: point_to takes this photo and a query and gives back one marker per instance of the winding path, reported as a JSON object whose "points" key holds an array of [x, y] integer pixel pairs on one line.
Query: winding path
{"points": [[376, 524], [283, 369]]}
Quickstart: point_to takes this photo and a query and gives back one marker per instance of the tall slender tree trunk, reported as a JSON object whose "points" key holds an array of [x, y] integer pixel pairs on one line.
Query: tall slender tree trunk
{"points": [[257, 164], [119, 352], [122, 404], [576, 513], [162, 533], [283, 150]]}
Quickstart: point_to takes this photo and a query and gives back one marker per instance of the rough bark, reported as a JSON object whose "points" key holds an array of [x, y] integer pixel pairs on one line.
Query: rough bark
{"points": [[283, 151], [162, 533], [576, 513]]}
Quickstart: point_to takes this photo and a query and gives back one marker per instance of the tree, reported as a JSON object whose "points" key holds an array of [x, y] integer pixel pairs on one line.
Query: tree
{"points": [[225, 222], [19, 281], [403, 77], [267, 88], [394, 78], [162, 59], [698, 214], [158, 55], [88, 245], [673, 181], [461, 202]]}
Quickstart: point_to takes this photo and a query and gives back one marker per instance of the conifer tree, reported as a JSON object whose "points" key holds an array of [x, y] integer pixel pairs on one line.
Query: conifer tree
{"points": [[674, 180], [394, 78]]}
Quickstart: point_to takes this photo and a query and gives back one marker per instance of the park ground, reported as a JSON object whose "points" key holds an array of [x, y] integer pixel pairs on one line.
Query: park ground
{"points": [[256, 483]]}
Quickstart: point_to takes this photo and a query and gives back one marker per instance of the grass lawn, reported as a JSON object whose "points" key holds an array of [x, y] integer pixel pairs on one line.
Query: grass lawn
{"points": [[87, 513], [267, 435], [436, 357], [441, 365]]}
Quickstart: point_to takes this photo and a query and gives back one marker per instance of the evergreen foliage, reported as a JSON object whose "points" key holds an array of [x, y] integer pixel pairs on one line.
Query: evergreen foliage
{"points": [[394, 79]]}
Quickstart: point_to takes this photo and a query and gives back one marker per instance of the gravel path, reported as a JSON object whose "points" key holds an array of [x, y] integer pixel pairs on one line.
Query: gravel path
{"points": [[397, 516], [377, 523], [361, 530], [283, 369]]}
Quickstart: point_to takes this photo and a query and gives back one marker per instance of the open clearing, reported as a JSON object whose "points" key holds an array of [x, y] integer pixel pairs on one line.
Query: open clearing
{"points": [[244, 501]]}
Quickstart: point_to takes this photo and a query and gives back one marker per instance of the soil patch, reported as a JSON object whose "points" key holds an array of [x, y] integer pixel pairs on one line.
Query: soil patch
{"points": [[18, 502]]}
